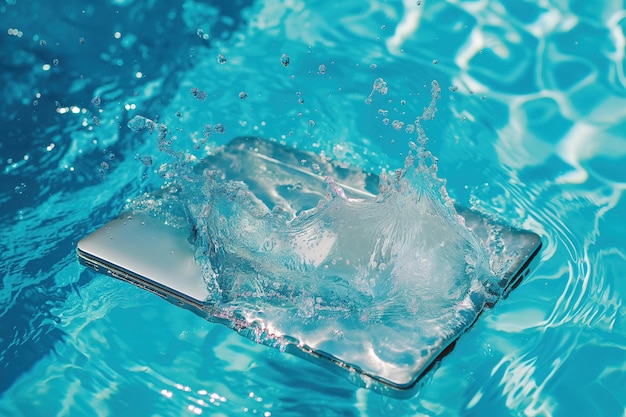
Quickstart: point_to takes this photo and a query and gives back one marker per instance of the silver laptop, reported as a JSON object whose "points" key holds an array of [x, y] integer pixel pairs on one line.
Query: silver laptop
{"points": [[390, 354]]}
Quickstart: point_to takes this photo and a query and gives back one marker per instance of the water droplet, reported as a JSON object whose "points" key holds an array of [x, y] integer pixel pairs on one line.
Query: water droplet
{"points": [[55, 62], [312, 123], [81, 40], [284, 59], [381, 86], [145, 159], [221, 59], [139, 123], [373, 66], [207, 131], [243, 95], [43, 42], [322, 69], [202, 35], [397, 124], [199, 94], [435, 61], [19, 189]]}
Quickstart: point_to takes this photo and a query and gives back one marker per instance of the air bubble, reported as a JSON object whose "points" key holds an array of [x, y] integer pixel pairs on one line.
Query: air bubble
{"points": [[243, 95], [221, 59], [435, 61], [322, 69], [284, 59], [219, 128]]}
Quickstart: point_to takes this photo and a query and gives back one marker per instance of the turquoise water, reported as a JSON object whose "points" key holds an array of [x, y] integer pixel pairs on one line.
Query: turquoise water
{"points": [[530, 129]]}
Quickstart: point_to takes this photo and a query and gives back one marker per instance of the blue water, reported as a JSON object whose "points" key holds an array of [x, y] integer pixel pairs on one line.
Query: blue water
{"points": [[530, 129]]}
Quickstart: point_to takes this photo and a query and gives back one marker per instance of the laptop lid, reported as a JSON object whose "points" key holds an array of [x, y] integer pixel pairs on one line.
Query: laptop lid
{"points": [[390, 355]]}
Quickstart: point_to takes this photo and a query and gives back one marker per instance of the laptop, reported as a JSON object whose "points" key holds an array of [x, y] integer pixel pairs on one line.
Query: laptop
{"points": [[391, 354]]}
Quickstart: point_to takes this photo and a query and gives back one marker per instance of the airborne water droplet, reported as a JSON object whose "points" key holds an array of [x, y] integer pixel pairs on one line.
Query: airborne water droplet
{"points": [[139, 123], [199, 94]]}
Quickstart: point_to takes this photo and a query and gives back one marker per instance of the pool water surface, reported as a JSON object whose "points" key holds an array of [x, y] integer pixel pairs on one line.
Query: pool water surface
{"points": [[530, 129]]}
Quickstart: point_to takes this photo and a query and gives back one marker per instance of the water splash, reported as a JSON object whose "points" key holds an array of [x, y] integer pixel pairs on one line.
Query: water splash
{"points": [[404, 251], [291, 257]]}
